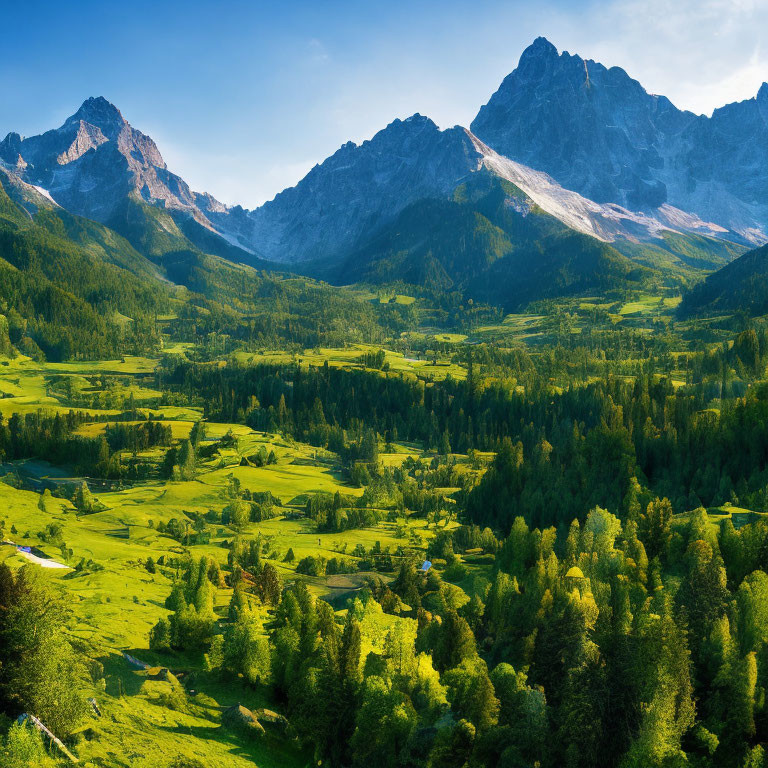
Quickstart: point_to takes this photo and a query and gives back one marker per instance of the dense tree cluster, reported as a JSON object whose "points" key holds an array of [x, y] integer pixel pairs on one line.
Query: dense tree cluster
{"points": [[54, 438], [39, 671], [75, 289], [614, 644], [137, 437], [610, 442], [60, 297], [334, 514]]}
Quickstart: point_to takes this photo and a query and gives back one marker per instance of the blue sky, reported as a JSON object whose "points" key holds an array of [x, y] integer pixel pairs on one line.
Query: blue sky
{"points": [[243, 98]]}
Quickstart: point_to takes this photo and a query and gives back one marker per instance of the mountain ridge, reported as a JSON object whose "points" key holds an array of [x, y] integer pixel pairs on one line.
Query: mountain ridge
{"points": [[97, 165], [96, 160], [597, 131]]}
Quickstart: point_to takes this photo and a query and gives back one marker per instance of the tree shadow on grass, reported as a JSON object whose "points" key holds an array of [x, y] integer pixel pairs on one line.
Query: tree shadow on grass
{"points": [[121, 678], [265, 752]]}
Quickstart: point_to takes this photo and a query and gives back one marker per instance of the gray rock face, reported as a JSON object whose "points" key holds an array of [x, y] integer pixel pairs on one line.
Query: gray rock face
{"points": [[598, 132], [584, 143], [721, 169], [92, 162], [360, 187]]}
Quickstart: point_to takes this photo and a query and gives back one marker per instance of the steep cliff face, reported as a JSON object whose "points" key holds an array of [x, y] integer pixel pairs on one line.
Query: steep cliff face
{"points": [[598, 132]]}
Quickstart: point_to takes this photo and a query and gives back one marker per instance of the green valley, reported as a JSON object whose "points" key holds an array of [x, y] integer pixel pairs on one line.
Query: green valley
{"points": [[453, 454]]}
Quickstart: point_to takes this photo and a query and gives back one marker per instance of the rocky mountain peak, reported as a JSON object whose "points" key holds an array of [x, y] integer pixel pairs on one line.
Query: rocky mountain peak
{"points": [[94, 161], [412, 126], [102, 114], [360, 187], [10, 147], [418, 119], [598, 132], [539, 49]]}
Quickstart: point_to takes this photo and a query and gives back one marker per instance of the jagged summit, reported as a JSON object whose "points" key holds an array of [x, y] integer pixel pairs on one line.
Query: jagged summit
{"points": [[540, 48], [598, 132], [360, 186], [95, 160], [99, 112], [412, 125], [417, 118]]}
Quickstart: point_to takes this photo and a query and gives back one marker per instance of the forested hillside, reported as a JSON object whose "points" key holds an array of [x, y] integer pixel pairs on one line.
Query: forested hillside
{"points": [[492, 243], [74, 289], [741, 286]]}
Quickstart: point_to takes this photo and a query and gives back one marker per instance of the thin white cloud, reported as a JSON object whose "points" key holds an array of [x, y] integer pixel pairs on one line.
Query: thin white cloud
{"points": [[317, 52], [699, 53]]}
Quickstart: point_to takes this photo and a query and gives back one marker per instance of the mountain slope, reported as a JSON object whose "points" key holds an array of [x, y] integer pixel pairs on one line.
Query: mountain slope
{"points": [[598, 132], [493, 243], [342, 203], [686, 257], [69, 287], [96, 164], [73, 288], [740, 286], [359, 187]]}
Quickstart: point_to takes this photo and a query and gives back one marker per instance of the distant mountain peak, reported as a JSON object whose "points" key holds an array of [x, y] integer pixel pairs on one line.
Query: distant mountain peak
{"points": [[360, 187], [417, 117], [96, 160], [102, 114], [415, 121], [10, 147], [539, 48]]}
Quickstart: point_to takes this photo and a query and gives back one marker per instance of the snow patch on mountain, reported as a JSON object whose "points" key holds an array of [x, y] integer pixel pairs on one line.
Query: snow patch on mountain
{"points": [[607, 222], [45, 193]]}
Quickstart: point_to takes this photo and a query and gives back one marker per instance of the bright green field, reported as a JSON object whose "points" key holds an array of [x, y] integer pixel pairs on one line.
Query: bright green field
{"points": [[113, 609], [115, 601], [114, 606], [434, 367]]}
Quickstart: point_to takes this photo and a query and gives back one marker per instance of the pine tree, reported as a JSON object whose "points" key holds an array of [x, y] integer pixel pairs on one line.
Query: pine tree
{"points": [[160, 636], [349, 657], [186, 460], [655, 527], [238, 603], [83, 500], [455, 643], [269, 585]]}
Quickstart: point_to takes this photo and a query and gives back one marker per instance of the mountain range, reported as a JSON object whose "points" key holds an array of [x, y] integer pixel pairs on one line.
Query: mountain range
{"points": [[570, 169]]}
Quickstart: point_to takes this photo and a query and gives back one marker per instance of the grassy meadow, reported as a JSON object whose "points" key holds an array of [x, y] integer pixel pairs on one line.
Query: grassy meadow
{"points": [[112, 598]]}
